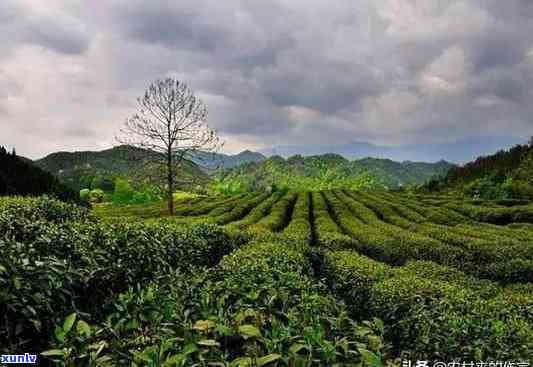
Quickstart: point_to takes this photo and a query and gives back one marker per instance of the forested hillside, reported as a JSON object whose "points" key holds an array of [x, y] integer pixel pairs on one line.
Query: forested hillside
{"points": [[506, 174], [18, 176], [80, 170], [329, 171]]}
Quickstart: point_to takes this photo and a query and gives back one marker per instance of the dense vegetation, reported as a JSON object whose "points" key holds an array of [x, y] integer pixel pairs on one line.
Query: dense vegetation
{"points": [[96, 174], [289, 280], [106, 293], [100, 170], [326, 172], [504, 175], [18, 176]]}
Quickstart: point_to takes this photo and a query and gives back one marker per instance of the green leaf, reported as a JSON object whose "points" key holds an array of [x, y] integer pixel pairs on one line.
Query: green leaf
{"points": [[174, 360], [189, 349], [52, 353], [37, 325], [59, 334], [69, 322], [249, 331], [295, 348], [83, 328], [379, 323], [103, 360], [203, 325], [241, 362], [209, 343], [370, 358], [224, 330], [263, 361]]}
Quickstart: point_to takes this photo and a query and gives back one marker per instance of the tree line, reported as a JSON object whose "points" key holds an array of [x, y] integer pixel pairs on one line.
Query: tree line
{"points": [[19, 176], [504, 175]]}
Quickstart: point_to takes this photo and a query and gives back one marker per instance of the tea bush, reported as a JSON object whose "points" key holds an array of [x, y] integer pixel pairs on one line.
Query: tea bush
{"points": [[300, 224], [279, 216], [257, 213], [239, 210], [431, 313], [260, 306], [53, 266]]}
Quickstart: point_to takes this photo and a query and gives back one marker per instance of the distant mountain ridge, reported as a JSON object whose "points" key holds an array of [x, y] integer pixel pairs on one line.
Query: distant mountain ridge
{"points": [[226, 161], [458, 152], [329, 171]]}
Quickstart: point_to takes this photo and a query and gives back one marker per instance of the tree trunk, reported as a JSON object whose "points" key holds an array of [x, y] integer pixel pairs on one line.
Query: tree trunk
{"points": [[170, 184]]}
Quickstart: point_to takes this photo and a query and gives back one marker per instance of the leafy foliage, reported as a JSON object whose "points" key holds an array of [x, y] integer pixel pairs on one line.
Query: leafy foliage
{"points": [[433, 312], [56, 259], [289, 281], [237, 315]]}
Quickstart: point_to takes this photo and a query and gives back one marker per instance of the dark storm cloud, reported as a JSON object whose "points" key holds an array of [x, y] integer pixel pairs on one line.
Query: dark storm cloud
{"points": [[271, 73]]}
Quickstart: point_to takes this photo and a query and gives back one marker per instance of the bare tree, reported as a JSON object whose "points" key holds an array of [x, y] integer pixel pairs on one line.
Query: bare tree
{"points": [[171, 125]]}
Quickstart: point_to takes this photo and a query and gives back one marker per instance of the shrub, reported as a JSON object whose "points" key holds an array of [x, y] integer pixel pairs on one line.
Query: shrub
{"points": [[260, 306], [52, 265], [300, 224], [258, 212], [328, 233], [352, 276], [488, 188], [124, 192], [279, 216], [432, 312], [239, 210], [434, 319], [495, 215]]}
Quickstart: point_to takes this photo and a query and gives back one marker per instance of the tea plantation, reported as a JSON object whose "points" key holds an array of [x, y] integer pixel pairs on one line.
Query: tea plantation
{"points": [[331, 278]]}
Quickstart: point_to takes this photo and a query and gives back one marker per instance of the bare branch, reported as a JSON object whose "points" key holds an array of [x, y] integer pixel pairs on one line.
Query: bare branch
{"points": [[171, 125]]}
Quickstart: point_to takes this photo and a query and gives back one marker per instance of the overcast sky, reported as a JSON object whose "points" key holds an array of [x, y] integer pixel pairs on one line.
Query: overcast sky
{"points": [[271, 72]]}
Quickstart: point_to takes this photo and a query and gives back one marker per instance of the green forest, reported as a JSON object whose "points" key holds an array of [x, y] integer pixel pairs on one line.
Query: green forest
{"points": [[508, 174]]}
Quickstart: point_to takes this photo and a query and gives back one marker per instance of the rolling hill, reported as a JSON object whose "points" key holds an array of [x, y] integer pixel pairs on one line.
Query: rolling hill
{"points": [[330, 171], [80, 170]]}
